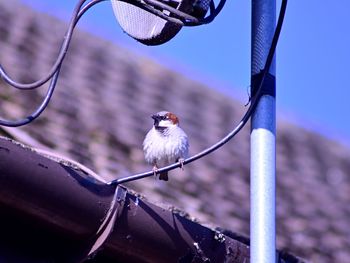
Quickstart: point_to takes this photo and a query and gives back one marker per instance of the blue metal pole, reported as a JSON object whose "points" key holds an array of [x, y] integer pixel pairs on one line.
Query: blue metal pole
{"points": [[263, 138]]}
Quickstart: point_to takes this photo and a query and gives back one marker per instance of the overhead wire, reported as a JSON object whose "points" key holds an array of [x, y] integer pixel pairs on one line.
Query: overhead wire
{"points": [[240, 125], [78, 12], [53, 73]]}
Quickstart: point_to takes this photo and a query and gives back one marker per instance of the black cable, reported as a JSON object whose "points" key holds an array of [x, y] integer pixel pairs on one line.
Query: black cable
{"points": [[84, 9], [55, 69], [57, 64], [214, 11], [240, 125], [78, 11], [39, 110], [176, 16]]}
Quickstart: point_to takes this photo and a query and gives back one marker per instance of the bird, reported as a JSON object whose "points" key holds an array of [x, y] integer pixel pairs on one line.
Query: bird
{"points": [[165, 143]]}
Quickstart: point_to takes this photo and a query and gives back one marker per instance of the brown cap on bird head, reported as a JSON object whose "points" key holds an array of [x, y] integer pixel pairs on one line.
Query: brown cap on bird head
{"points": [[164, 115]]}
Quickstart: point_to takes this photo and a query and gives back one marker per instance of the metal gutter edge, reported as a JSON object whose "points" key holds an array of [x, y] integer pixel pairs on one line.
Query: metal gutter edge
{"points": [[53, 213], [67, 203]]}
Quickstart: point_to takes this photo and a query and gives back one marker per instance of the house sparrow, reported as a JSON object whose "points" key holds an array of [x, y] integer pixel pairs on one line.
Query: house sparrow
{"points": [[165, 143]]}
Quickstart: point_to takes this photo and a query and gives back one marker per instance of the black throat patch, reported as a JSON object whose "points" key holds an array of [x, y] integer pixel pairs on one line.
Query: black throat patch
{"points": [[161, 130]]}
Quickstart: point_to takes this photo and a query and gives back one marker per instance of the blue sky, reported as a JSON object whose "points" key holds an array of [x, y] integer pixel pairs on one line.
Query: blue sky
{"points": [[313, 56]]}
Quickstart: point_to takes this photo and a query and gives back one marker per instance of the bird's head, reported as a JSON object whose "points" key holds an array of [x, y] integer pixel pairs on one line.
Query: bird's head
{"points": [[165, 119]]}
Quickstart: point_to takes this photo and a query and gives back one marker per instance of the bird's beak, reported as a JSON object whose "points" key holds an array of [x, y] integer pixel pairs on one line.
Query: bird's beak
{"points": [[156, 120]]}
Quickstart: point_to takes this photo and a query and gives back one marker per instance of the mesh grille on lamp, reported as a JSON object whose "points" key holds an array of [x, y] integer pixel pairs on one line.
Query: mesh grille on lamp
{"points": [[150, 29]]}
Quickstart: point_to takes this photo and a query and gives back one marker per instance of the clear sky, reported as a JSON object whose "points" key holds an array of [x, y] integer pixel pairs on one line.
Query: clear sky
{"points": [[313, 55]]}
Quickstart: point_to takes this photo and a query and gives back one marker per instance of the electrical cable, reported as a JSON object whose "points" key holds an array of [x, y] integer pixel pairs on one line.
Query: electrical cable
{"points": [[55, 70], [103, 232], [59, 60], [239, 126], [181, 18], [78, 12], [41, 107]]}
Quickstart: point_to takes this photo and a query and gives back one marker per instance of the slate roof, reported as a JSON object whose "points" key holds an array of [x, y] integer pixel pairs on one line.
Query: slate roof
{"points": [[101, 111]]}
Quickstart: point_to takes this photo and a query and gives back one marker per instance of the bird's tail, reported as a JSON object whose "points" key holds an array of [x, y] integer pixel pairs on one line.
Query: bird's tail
{"points": [[164, 176]]}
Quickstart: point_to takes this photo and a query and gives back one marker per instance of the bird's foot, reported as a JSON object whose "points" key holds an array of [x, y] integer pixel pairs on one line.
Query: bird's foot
{"points": [[155, 170], [181, 161]]}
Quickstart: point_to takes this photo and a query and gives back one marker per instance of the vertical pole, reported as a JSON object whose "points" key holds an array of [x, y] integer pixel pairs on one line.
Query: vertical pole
{"points": [[263, 138]]}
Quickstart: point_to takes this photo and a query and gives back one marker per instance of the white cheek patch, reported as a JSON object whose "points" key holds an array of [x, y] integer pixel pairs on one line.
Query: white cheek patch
{"points": [[165, 123]]}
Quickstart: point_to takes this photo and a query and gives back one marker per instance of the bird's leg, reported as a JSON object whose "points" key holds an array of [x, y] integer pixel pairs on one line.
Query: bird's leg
{"points": [[181, 161]]}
